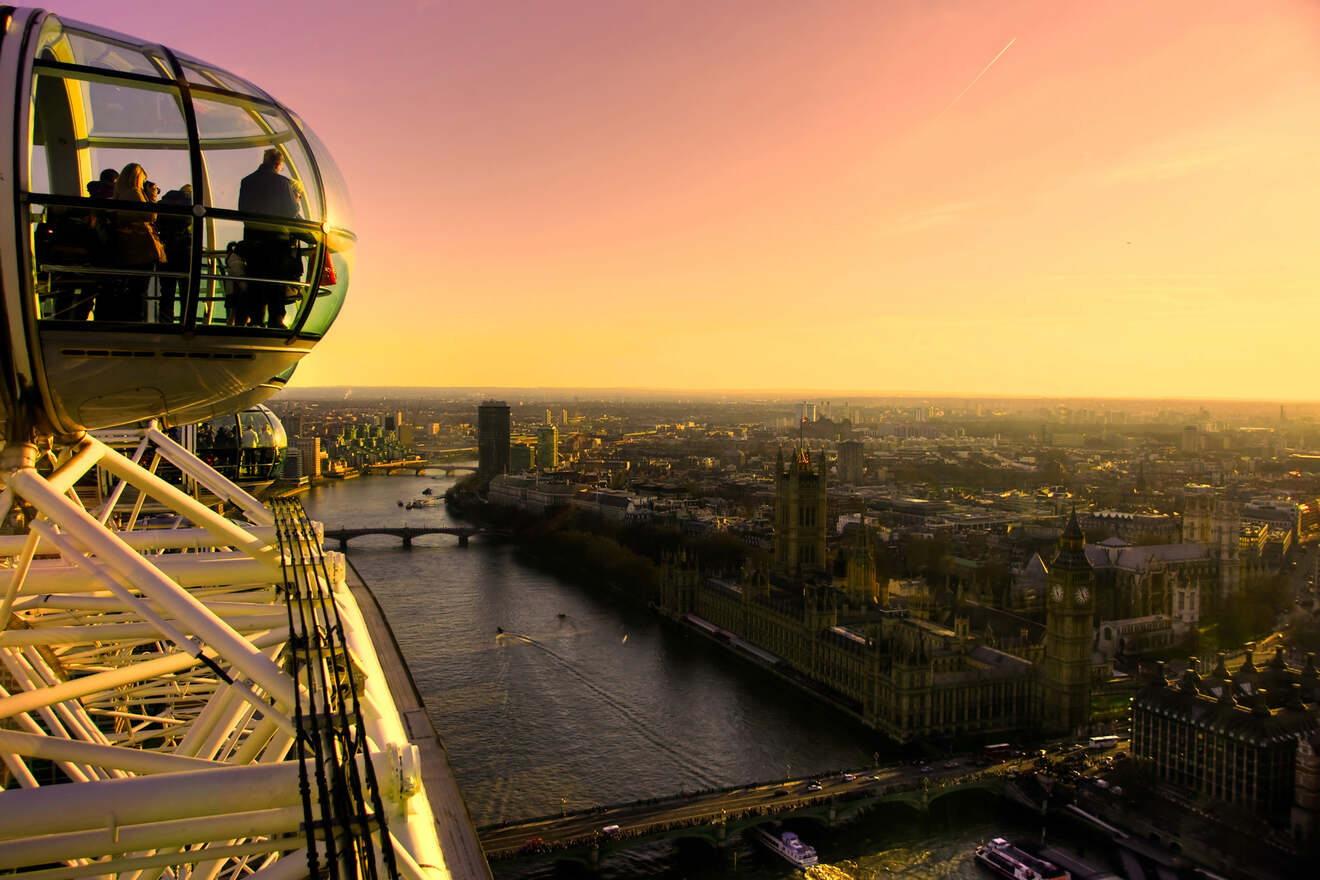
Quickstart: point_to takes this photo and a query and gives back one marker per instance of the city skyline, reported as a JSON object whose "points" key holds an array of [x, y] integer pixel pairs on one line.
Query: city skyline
{"points": [[1038, 199]]}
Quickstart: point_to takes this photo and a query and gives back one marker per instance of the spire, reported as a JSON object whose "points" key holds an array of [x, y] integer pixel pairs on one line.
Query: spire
{"points": [[1073, 530], [1072, 547]]}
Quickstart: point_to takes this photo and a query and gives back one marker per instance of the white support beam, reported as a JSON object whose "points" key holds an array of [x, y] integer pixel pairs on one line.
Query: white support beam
{"points": [[143, 761], [121, 867], [236, 650], [105, 632], [186, 506], [173, 834], [139, 800], [83, 460], [27, 701], [153, 539], [189, 570], [220, 485]]}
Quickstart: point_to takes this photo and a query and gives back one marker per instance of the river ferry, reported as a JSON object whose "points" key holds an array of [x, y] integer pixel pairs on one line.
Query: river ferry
{"points": [[1008, 861], [788, 846]]}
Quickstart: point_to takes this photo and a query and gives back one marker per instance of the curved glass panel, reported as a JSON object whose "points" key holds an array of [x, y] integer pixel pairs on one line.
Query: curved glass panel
{"points": [[247, 446], [200, 73], [109, 141], [338, 208], [235, 139], [255, 274], [107, 264], [333, 285], [123, 55], [84, 129]]}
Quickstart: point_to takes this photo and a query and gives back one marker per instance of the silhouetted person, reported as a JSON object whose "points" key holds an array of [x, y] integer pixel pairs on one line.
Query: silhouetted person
{"points": [[176, 235], [248, 461], [137, 247], [104, 188], [269, 249]]}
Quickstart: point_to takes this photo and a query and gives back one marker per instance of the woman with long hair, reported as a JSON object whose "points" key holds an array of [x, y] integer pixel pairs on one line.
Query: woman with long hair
{"points": [[137, 247]]}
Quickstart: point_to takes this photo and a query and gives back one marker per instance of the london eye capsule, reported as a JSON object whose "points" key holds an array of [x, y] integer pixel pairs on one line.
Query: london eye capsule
{"points": [[179, 238]]}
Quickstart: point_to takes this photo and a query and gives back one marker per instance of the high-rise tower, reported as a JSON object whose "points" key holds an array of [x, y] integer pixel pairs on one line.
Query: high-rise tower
{"points": [[799, 515], [547, 447], [852, 462], [492, 440], [1069, 608]]}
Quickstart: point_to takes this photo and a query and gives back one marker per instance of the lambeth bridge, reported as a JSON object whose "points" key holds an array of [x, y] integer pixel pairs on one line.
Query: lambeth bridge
{"points": [[407, 533], [714, 815], [417, 466]]}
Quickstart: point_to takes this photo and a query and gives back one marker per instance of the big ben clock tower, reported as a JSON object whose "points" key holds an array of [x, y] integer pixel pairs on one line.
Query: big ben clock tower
{"points": [[1069, 610]]}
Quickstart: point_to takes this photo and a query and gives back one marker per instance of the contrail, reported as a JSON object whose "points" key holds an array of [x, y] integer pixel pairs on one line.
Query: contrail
{"points": [[977, 78]]}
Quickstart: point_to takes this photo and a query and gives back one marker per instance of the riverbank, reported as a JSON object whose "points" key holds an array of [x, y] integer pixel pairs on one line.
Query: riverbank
{"points": [[464, 857]]}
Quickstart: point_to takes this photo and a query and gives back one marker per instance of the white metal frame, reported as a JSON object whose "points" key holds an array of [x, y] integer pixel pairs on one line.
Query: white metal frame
{"points": [[146, 711]]}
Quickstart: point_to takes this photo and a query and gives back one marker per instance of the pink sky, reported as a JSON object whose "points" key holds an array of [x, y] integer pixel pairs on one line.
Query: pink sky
{"points": [[787, 195]]}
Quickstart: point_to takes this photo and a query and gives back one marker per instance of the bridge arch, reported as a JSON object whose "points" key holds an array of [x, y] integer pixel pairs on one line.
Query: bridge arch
{"points": [[406, 534]]}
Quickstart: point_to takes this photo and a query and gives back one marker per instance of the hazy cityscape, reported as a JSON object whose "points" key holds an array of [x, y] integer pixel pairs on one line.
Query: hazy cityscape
{"points": [[573, 440], [951, 573]]}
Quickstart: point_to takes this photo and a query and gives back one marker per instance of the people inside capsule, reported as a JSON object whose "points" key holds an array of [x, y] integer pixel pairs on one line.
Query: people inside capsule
{"points": [[103, 187], [69, 237], [270, 251], [176, 235], [137, 248], [236, 295]]}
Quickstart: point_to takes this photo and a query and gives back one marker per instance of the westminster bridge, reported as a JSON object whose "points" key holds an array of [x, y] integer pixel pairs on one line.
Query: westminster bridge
{"points": [[715, 815], [407, 533]]}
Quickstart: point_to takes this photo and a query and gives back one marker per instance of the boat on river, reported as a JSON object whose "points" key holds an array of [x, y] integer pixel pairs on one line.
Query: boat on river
{"points": [[1006, 860], [788, 846]]}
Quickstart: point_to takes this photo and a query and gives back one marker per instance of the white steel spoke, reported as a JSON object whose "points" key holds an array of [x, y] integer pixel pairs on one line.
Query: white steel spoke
{"points": [[149, 679]]}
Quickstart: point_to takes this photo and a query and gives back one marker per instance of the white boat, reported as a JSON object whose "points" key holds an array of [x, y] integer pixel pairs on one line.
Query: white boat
{"points": [[1007, 860], [788, 845]]}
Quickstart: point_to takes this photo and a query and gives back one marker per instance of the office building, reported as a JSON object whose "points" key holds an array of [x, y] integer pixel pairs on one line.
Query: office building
{"points": [[547, 447], [492, 440], [852, 462]]}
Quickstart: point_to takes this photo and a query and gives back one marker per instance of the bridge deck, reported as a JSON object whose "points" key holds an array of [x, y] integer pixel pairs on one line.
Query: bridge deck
{"points": [[736, 807], [458, 838]]}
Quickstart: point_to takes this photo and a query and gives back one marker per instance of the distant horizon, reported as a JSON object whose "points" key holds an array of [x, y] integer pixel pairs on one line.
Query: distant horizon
{"points": [[840, 396]]}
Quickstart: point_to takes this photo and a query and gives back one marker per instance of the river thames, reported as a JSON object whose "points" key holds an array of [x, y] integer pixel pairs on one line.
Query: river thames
{"points": [[603, 702]]}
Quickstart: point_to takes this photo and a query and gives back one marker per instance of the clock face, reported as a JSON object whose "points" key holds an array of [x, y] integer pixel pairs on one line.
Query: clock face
{"points": [[1057, 592], [1082, 595]]}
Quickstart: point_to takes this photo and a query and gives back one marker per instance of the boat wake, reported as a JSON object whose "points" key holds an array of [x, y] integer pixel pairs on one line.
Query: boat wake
{"points": [[679, 757]]}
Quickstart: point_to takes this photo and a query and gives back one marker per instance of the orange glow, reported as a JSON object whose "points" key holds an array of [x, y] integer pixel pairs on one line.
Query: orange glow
{"points": [[783, 195]]}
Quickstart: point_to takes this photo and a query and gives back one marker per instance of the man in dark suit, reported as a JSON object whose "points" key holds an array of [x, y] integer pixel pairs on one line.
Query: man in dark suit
{"points": [[269, 249]]}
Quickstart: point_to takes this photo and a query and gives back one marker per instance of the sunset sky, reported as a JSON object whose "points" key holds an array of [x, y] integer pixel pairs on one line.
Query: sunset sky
{"points": [[815, 196]]}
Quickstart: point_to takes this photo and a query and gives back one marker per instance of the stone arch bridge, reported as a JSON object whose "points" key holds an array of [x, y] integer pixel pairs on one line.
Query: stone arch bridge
{"points": [[714, 816], [407, 533]]}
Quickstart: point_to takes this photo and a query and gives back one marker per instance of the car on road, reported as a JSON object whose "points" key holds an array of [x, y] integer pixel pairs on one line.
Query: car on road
{"points": [[610, 830], [848, 777], [780, 792], [949, 765], [926, 768], [813, 786]]}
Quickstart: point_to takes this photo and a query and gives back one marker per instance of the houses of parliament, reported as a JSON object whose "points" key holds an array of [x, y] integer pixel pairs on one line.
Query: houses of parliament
{"points": [[890, 668]]}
